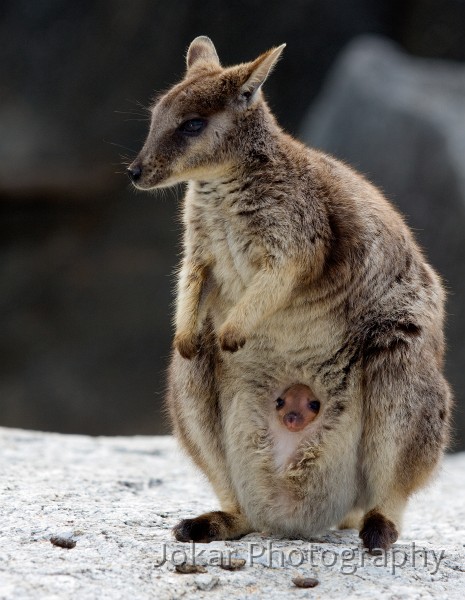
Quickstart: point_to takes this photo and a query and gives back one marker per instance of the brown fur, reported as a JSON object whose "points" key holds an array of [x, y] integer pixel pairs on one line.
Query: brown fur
{"points": [[295, 270]]}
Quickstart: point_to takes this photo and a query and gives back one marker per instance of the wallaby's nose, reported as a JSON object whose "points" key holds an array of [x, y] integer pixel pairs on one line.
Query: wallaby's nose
{"points": [[134, 172]]}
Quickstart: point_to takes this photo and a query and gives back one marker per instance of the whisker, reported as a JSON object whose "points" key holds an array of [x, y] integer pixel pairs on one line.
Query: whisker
{"points": [[120, 146], [133, 114], [130, 112], [146, 109]]}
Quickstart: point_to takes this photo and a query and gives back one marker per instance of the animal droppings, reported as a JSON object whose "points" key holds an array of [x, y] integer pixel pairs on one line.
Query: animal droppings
{"points": [[305, 582], [186, 568], [62, 542], [233, 565]]}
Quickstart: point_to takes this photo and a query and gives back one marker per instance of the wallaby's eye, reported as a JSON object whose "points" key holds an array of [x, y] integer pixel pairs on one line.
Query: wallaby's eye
{"points": [[279, 403], [193, 127], [314, 405]]}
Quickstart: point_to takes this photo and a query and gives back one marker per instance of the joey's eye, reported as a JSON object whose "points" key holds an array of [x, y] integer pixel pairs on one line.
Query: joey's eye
{"points": [[314, 405], [192, 127], [279, 403]]}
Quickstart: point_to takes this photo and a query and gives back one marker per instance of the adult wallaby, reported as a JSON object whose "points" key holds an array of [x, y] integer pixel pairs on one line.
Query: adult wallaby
{"points": [[296, 270]]}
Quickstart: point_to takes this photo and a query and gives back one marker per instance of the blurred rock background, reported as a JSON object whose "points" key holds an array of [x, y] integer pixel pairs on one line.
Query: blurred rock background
{"points": [[86, 263]]}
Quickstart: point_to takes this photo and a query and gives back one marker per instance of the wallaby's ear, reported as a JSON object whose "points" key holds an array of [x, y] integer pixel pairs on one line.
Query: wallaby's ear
{"points": [[202, 49], [259, 71]]}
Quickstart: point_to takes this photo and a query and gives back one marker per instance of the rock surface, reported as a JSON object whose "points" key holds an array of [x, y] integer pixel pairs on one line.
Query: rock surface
{"points": [[117, 499], [400, 120]]}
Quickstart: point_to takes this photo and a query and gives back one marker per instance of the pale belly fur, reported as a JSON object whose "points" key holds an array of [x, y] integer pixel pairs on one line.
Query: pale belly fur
{"points": [[313, 474]]}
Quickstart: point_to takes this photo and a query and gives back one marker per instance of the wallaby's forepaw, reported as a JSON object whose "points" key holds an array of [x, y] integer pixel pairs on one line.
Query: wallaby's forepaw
{"points": [[205, 528], [377, 531], [187, 344], [231, 339]]}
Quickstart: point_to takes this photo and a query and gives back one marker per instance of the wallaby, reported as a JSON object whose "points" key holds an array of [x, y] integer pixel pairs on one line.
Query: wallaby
{"points": [[296, 271]]}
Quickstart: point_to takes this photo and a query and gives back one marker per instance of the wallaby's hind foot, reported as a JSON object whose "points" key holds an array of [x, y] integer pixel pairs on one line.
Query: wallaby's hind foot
{"points": [[378, 532], [211, 526]]}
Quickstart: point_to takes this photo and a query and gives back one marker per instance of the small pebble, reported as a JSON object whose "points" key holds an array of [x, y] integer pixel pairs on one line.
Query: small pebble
{"points": [[155, 482], [137, 486], [63, 542], [206, 582], [305, 582], [233, 565], [186, 568]]}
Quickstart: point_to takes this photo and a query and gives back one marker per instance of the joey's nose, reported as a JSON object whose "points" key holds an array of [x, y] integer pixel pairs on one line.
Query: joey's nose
{"points": [[134, 172], [293, 419]]}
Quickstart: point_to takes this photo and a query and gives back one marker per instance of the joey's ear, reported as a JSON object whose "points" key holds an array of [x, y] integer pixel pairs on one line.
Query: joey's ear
{"points": [[259, 71], [201, 49]]}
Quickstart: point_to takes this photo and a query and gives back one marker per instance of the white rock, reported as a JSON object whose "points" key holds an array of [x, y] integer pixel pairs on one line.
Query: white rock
{"points": [[206, 582], [63, 484]]}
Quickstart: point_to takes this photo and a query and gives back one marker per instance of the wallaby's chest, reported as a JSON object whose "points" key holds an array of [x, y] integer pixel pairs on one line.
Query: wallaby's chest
{"points": [[234, 250]]}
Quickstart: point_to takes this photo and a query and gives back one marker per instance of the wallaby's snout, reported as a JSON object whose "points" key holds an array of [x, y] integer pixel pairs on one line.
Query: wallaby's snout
{"points": [[134, 171]]}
